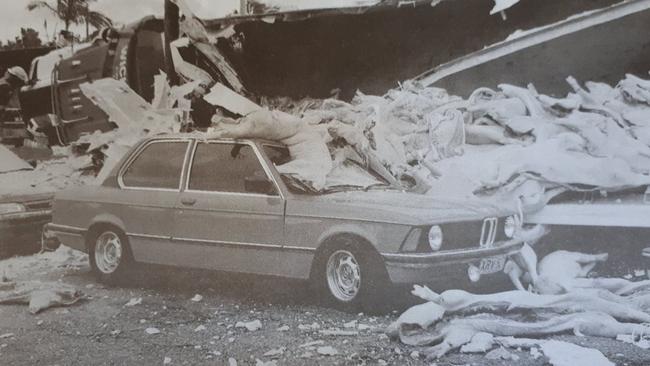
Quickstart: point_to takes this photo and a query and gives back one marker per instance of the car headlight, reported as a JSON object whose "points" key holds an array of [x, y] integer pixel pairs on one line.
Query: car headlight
{"points": [[435, 238], [510, 226], [9, 208]]}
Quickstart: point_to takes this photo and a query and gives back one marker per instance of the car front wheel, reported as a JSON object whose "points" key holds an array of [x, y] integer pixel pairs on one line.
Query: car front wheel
{"points": [[343, 275], [351, 279], [109, 255]]}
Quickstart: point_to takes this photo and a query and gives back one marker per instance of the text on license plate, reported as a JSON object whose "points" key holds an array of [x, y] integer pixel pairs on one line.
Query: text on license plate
{"points": [[492, 265]]}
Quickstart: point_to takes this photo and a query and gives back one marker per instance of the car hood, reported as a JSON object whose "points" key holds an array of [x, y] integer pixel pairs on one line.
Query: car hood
{"points": [[403, 207]]}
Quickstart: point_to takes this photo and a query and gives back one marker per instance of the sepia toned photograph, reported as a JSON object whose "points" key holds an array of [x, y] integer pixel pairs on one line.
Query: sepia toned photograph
{"points": [[325, 182]]}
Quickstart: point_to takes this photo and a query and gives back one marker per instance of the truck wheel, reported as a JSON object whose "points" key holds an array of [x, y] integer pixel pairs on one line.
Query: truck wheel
{"points": [[351, 279], [109, 255]]}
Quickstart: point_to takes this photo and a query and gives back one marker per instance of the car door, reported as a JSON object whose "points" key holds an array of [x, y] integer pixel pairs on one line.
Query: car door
{"points": [[150, 183], [222, 222]]}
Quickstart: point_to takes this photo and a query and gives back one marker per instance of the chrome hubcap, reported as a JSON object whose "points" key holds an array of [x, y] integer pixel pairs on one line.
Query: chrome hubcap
{"points": [[108, 252], [343, 275]]}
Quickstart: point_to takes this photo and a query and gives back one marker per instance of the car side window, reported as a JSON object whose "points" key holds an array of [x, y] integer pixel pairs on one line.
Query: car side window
{"points": [[159, 166], [224, 167], [277, 154]]}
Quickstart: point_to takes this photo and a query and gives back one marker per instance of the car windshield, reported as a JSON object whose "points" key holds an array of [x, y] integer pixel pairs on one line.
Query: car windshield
{"points": [[345, 176]]}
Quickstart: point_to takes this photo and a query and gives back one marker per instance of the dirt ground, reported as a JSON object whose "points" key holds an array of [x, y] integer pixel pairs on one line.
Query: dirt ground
{"points": [[102, 330]]}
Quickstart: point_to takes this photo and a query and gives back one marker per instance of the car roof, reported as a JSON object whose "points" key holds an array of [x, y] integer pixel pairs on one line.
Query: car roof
{"points": [[198, 136]]}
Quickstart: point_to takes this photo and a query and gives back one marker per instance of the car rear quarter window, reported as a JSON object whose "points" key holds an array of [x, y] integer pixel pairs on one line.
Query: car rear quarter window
{"points": [[158, 166], [224, 167]]}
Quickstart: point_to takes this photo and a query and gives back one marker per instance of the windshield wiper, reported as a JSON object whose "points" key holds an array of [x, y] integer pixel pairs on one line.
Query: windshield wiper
{"points": [[298, 184], [342, 187]]}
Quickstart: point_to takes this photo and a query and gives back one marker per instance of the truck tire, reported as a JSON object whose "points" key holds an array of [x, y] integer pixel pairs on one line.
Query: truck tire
{"points": [[109, 254]]}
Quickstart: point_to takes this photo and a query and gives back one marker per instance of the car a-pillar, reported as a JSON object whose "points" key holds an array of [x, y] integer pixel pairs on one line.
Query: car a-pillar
{"points": [[349, 274], [109, 252]]}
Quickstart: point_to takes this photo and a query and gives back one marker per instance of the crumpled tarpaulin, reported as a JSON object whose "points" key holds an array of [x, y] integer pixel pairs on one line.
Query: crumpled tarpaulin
{"points": [[39, 295]]}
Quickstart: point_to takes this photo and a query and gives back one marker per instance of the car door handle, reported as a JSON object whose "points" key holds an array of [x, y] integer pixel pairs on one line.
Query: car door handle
{"points": [[188, 201]]}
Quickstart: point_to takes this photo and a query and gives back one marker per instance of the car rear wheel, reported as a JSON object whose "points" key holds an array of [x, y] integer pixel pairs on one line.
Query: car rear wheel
{"points": [[350, 278], [109, 255]]}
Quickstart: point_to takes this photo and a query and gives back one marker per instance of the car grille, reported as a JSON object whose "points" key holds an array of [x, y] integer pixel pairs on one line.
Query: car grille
{"points": [[466, 235], [38, 205]]}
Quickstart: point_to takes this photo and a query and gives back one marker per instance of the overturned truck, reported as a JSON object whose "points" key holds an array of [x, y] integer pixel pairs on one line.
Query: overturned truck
{"points": [[321, 52]]}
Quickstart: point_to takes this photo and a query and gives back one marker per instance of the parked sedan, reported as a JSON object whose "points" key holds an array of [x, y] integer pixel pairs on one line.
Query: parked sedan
{"points": [[22, 219], [223, 205]]}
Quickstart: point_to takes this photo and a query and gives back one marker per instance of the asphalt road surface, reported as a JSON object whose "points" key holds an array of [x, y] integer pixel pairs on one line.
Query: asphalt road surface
{"points": [[102, 330]]}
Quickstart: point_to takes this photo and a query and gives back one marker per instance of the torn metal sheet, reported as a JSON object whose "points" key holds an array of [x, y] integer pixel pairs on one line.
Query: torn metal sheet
{"points": [[119, 101], [134, 117], [187, 70], [10, 162], [501, 5], [225, 97], [227, 71]]}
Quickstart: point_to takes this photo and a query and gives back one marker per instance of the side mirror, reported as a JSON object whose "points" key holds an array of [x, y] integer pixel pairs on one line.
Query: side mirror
{"points": [[259, 185]]}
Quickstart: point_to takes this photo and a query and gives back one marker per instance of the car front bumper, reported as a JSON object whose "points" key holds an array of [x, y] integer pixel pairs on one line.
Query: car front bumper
{"points": [[432, 267], [22, 232]]}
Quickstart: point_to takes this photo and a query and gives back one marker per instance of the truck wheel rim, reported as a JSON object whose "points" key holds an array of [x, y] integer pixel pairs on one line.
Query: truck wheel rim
{"points": [[108, 252], [343, 275]]}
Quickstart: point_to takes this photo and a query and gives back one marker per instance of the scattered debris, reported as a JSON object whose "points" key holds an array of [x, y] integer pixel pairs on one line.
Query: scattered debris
{"points": [[480, 343], [152, 331], [250, 326], [275, 352], [612, 308], [338, 332], [501, 354], [327, 351], [313, 326], [311, 344], [638, 340], [197, 298], [265, 363], [134, 301], [568, 354], [534, 353], [39, 295]]}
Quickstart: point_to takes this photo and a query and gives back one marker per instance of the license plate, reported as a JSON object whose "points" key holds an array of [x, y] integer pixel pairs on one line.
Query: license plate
{"points": [[492, 265]]}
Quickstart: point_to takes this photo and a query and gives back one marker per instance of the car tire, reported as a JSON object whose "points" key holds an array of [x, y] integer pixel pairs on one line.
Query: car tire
{"points": [[350, 278], [109, 254]]}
